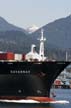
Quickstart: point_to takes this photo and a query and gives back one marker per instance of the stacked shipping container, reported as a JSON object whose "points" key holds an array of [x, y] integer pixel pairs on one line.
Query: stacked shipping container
{"points": [[7, 56], [11, 56], [18, 57]]}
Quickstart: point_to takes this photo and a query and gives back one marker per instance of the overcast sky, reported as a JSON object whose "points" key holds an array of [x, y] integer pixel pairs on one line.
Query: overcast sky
{"points": [[25, 13]]}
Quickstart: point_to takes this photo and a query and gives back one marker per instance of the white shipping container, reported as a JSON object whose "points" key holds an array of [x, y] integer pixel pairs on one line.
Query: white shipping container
{"points": [[18, 57]]}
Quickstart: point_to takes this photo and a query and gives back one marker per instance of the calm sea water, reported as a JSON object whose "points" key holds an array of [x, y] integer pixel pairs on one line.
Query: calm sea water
{"points": [[61, 94]]}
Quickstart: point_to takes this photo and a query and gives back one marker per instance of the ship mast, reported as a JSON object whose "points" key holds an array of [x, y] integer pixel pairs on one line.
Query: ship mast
{"points": [[41, 50], [66, 56]]}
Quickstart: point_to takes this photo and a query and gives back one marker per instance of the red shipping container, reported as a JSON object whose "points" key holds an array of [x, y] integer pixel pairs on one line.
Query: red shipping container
{"points": [[3, 56], [7, 56], [10, 56], [23, 56]]}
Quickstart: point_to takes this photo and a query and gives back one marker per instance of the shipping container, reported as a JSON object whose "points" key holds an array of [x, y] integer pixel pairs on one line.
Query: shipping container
{"points": [[23, 57], [7, 56], [18, 57], [10, 56]]}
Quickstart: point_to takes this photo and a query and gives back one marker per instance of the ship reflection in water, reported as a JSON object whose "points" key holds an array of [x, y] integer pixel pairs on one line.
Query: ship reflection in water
{"points": [[61, 94]]}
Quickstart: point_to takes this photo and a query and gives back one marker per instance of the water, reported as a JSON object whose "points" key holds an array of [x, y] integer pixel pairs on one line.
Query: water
{"points": [[61, 94]]}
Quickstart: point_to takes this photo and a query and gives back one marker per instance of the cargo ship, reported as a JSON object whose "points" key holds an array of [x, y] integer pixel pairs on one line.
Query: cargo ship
{"points": [[30, 78]]}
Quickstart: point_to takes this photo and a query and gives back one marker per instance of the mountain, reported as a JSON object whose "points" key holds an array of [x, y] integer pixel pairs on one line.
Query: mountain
{"points": [[6, 26], [57, 33], [12, 38], [58, 36]]}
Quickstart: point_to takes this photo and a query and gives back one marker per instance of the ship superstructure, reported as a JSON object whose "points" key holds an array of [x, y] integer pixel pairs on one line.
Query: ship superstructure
{"points": [[33, 55]]}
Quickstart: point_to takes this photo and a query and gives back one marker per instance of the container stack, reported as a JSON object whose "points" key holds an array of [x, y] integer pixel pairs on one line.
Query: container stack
{"points": [[6, 56], [18, 57], [9, 56]]}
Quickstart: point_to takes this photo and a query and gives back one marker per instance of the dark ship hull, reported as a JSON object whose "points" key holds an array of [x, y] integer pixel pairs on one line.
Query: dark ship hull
{"points": [[23, 79]]}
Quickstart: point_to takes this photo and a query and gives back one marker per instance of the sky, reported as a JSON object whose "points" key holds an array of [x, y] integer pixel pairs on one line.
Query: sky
{"points": [[25, 13]]}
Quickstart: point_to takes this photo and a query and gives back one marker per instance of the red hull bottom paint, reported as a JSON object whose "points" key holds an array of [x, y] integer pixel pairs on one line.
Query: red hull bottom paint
{"points": [[39, 99], [46, 100]]}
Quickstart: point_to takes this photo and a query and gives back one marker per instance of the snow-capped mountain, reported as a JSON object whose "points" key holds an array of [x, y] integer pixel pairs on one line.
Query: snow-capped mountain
{"points": [[32, 29]]}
